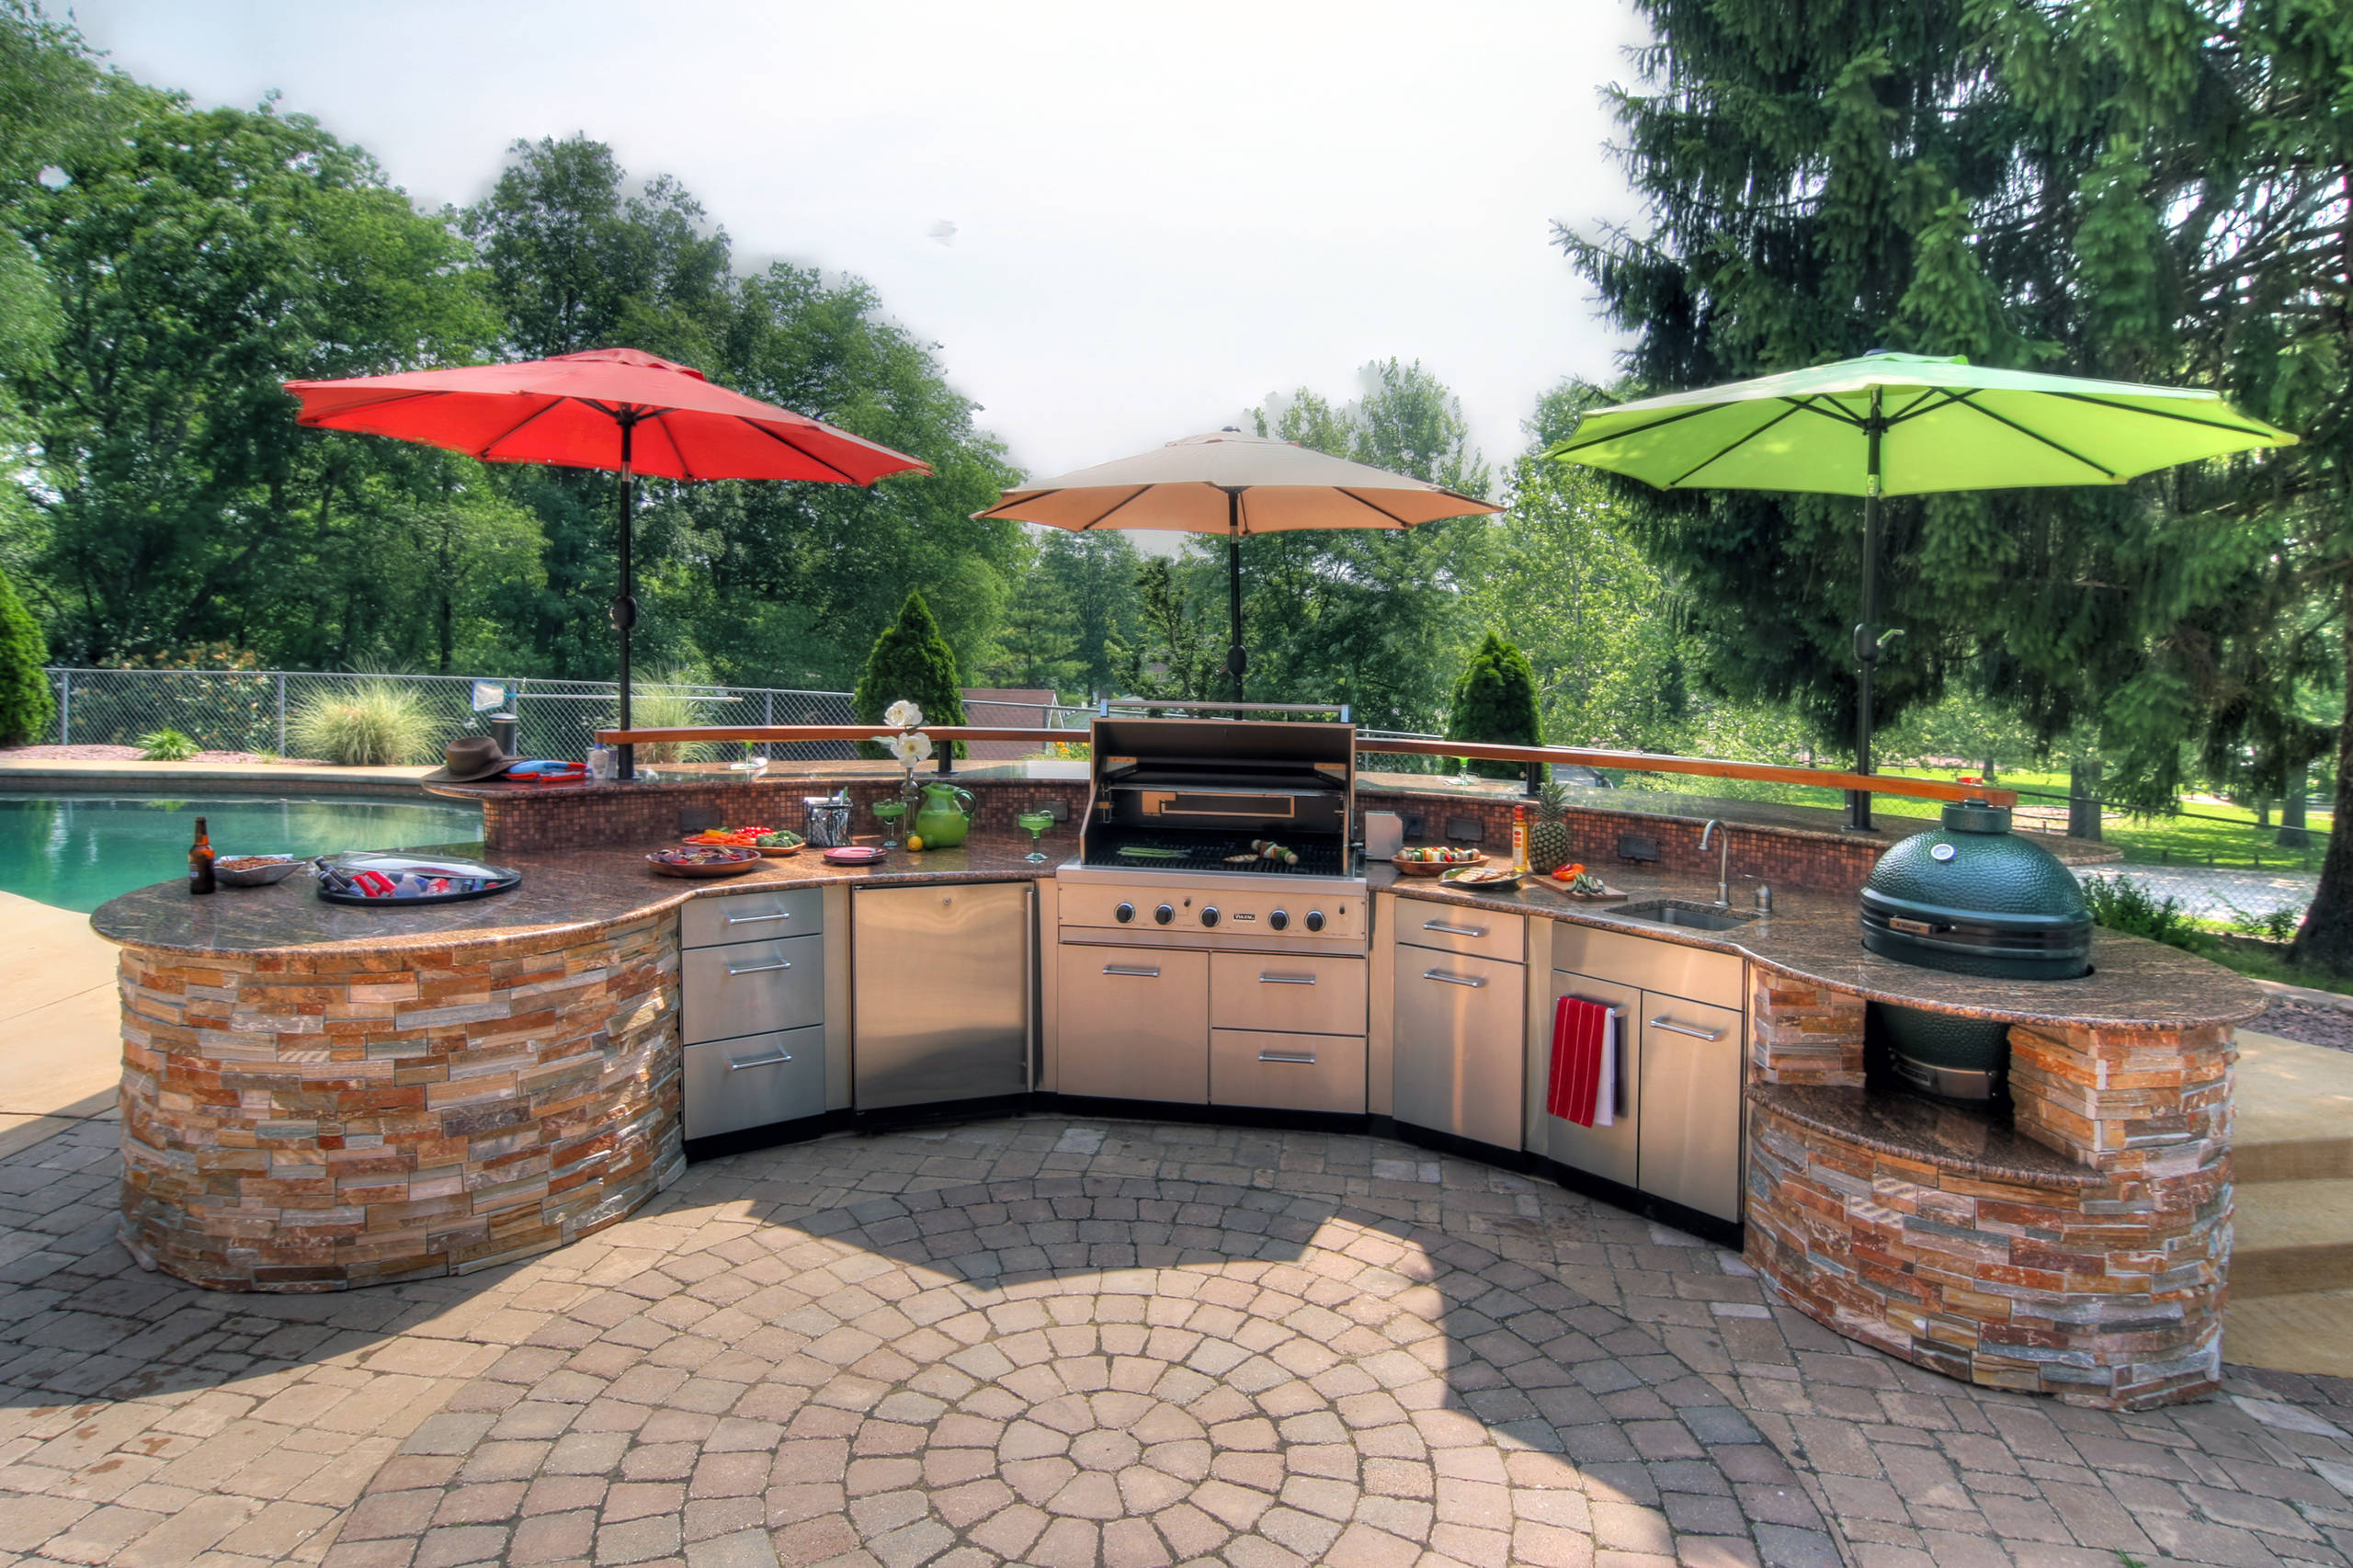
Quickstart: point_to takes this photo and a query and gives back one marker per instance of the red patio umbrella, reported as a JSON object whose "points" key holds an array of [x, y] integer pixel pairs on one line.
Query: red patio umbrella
{"points": [[609, 408]]}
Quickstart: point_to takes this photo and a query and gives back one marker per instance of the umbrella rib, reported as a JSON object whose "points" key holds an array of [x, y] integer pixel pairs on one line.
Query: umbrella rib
{"points": [[686, 469], [1572, 444], [481, 454], [796, 446], [1813, 403], [373, 403], [2158, 413], [1727, 451], [1098, 520], [1363, 501], [1964, 400]]}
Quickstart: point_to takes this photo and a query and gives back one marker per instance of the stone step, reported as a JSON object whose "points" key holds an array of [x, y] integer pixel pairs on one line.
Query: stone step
{"points": [[2303, 1332], [2295, 1112], [2292, 1236]]}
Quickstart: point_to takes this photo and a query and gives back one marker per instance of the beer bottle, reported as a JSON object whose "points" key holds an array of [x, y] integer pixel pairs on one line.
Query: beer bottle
{"points": [[200, 861]]}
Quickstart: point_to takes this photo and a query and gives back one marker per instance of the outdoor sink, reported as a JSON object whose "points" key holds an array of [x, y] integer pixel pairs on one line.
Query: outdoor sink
{"points": [[1696, 916]]}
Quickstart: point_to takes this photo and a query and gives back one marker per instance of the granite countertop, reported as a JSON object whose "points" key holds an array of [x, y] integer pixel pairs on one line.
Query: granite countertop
{"points": [[563, 891], [1817, 937]]}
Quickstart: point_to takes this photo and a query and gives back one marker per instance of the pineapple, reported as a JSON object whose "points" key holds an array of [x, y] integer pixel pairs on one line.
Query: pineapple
{"points": [[1548, 832]]}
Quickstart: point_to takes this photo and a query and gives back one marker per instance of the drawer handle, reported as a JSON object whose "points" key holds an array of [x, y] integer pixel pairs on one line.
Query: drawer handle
{"points": [[1136, 970], [1672, 1026], [779, 1058], [1474, 980], [1305, 1058], [1454, 930], [750, 919], [734, 969], [1287, 980]]}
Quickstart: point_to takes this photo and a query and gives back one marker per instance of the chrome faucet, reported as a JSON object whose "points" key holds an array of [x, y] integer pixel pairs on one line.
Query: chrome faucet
{"points": [[1723, 862]]}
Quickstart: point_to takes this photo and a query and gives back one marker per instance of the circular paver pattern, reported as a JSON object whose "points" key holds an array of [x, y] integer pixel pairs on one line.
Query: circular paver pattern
{"points": [[1120, 1368]]}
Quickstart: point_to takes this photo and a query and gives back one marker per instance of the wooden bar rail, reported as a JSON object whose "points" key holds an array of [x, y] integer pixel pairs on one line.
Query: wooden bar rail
{"points": [[1633, 761]]}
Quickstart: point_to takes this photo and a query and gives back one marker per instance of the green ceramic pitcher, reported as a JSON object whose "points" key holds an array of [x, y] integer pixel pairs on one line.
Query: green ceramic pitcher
{"points": [[945, 816]]}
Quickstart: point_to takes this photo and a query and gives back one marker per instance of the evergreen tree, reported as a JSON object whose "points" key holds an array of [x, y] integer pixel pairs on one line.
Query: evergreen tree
{"points": [[1038, 640], [26, 703], [911, 662], [1495, 701]]}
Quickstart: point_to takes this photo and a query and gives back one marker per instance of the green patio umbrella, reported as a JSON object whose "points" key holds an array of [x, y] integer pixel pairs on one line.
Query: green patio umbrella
{"points": [[1907, 424]]}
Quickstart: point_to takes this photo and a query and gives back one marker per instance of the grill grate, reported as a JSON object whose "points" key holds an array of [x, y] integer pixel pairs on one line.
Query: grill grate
{"points": [[1207, 852]]}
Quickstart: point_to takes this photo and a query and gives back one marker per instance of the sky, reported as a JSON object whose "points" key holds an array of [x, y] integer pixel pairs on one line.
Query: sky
{"points": [[1121, 223]]}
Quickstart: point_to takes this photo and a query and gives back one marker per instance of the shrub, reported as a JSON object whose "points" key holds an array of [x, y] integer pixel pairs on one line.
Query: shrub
{"points": [[911, 662], [1494, 701], [165, 746], [2121, 905], [26, 703], [372, 724], [657, 703]]}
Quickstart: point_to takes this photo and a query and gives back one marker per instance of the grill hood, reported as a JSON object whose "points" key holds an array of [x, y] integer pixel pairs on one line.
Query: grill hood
{"points": [[1972, 897]]}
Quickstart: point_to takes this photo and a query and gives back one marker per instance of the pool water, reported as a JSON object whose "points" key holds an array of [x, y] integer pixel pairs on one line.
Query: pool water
{"points": [[78, 851]]}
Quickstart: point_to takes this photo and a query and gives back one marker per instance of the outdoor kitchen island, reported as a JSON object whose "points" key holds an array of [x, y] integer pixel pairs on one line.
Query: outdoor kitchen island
{"points": [[317, 1097]]}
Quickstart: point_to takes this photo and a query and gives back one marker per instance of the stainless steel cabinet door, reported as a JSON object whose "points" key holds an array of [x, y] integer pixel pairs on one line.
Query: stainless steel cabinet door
{"points": [[766, 916], [1286, 993], [753, 988], [752, 1082], [1609, 1152], [1461, 1052], [1135, 1023], [1691, 1107], [940, 1006], [1287, 1072]]}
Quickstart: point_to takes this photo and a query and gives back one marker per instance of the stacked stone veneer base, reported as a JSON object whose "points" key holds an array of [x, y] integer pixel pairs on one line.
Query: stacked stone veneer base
{"points": [[2098, 1277], [311, 1121]]}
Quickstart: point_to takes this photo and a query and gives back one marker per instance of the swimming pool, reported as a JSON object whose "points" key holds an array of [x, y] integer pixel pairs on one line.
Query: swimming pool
{"points": [[77, 851]]}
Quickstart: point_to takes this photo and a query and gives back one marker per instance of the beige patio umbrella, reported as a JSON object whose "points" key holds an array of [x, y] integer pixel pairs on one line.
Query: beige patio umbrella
{"points": [[1227, 483]]}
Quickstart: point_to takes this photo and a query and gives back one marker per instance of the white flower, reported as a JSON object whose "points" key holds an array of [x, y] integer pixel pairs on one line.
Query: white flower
{"points": [[902, 715], [923, 746]]}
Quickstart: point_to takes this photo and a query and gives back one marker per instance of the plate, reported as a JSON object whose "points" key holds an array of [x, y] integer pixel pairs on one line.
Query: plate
{"points": [[777, 851], [1434, 868], [1503, 879], [854, 855], [709, 861]]}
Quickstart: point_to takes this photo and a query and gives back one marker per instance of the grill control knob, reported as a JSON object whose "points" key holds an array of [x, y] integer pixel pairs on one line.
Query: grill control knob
{"points": [[1315, 920], [1209, 915], [1124, 914], [1279, 919], [1163, 914]]}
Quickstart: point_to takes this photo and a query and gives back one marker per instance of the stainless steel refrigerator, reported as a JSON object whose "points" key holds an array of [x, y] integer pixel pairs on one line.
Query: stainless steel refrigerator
{"points": [[942, 986]]}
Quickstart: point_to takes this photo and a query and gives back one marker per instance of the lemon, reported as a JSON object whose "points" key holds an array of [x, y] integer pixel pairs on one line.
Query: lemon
{"points": [[914, 841]]}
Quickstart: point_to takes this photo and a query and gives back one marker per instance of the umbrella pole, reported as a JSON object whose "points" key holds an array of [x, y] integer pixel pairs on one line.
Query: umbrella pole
{"points": [[1867, 634], [1236, 660], [625, 607]]}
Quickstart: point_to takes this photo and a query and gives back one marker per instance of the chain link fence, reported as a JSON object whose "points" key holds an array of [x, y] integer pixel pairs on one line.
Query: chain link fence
{"points": [[256, 710]]}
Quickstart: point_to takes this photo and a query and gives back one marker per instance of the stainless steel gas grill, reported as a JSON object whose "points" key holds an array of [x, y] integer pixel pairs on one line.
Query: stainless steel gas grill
{"points": [[1196, 964]]}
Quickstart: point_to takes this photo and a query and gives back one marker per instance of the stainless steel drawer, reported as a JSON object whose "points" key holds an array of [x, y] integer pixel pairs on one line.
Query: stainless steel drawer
{"points": [[1690, 1105], [1461, 1052], [1455, 929], [752, 916], [1134, 1023], [1289, 1072], [752, 988], [1316, 995], [751, 1082], [1668, 968]]}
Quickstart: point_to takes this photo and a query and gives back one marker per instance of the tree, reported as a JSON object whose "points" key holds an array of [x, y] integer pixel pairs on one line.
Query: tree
{"points": [[1494, 701], [2114, 189], [26, 703], [1095, 572], [910, 663], [1175, 654], [1037, 638], [1366, 617]]}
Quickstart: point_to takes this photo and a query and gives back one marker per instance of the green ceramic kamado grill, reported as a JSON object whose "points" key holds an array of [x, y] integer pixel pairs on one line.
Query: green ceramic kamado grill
{"points": [[1971, 897]]}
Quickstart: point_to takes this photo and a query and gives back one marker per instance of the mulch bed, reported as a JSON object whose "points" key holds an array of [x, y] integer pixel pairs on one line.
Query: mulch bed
{"points": [[2313, 1023], [115, 754]]}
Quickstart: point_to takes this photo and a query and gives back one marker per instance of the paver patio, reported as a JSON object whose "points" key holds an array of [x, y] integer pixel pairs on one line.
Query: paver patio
{"points": [[1053, 1342]]}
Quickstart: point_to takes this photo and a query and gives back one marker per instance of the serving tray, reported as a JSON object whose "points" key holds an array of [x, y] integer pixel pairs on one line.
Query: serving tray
{"points": [[331, 869]]}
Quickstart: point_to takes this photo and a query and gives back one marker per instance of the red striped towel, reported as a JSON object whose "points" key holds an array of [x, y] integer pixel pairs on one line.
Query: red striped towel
{"points": [[1580, 1032]]}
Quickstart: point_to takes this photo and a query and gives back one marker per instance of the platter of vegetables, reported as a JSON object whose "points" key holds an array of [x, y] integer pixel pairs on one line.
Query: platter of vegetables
{"points": [[1434, 862], [1577, 882], [704, 860], [772, 842]]}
